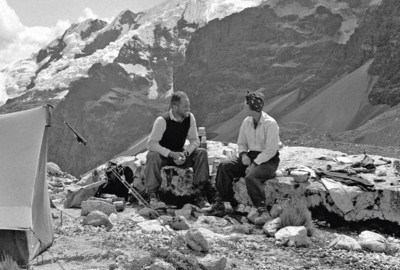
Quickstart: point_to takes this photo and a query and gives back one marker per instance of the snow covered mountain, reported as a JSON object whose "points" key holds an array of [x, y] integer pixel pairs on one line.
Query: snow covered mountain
{"points": [[69, 57]]}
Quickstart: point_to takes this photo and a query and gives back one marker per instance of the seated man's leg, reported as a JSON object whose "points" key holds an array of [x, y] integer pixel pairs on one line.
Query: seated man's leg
{"points": [[199, 162], [152, 172], [227, 171], [255, 181]]}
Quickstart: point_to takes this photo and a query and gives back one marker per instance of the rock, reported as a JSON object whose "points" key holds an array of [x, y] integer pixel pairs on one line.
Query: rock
{"points": [[372, 241], [148, 213], [243, 228], [179, 223], [345, 242], [191, 207], [261, 220], [210, 262], [213, 221], [292, 236], [53, 169], [187, 213], [161, 265], [150, 226], [97, 218], [272, 226], [89, 206], [196, 240], [253, 214]]}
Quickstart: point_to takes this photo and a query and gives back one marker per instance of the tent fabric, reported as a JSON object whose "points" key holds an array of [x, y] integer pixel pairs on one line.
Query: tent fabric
{"points": [[25, 217]]}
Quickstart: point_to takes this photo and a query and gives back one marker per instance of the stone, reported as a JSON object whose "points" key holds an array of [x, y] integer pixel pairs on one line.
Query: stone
{"points": [[210, 262], [97, 218], [262, 219], [148, 213], [243, 228], [187, 213], [213, 221], [53, 169], [196, 240], [345, 242], [191, 207], [150, 226], [272, 226], [372, 241], [179, 223], [292, 236], [161, 265], [253, 214], [89, 206]]}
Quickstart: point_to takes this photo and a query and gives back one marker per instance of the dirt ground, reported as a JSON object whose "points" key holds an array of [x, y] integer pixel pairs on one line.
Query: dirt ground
{"points": [[128, 246]]}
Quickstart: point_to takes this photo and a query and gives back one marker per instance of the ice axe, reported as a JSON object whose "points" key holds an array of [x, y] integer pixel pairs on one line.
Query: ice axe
{"points": [[78, 136]]}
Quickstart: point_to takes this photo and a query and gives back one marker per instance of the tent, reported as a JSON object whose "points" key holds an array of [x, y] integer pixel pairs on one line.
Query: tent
{"points": [[26, 227]]}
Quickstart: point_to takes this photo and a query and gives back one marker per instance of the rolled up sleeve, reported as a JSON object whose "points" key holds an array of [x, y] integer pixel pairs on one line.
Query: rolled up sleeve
{"points": [[272, 142]]}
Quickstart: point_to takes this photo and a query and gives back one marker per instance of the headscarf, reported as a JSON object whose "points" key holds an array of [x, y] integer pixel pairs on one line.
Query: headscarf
{"points": [[255, 101]]}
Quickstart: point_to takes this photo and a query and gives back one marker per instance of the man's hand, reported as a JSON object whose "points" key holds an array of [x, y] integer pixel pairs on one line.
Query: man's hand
{"points": [[178, 157], [250, 167], [246, 160]]}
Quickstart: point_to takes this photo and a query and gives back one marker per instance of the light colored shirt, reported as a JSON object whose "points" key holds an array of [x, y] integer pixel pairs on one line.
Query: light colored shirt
{"points": [[264, 138], [159, 127]]}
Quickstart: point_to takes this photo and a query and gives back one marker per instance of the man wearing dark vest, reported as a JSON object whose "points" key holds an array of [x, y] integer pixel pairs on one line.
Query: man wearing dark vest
{"points": [[166, 148]]}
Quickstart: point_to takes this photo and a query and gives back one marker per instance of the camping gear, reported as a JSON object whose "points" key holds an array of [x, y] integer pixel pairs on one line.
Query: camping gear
{"points": [[26, 227]]}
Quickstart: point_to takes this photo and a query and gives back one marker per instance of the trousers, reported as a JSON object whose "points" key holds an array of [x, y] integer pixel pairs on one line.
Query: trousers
{"points": [[230, 169], [198, 159]]}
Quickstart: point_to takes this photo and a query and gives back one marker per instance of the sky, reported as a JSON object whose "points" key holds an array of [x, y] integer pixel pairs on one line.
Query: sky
{"points": [[28, 25]]}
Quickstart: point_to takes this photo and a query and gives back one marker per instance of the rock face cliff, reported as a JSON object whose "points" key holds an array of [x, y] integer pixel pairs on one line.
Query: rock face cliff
{"points": [[272, 48]]}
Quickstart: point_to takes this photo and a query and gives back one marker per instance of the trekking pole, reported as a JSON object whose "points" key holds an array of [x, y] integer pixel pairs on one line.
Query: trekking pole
{"points": [[136, 194]]}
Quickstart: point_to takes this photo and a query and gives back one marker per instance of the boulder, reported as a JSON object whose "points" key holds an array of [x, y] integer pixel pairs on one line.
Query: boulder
{"points": [[372, 241], [292, 236], [272, 226], [97, 218], [148, 213], [150, 226], [210, 262], [345, 242], [161, 265], [89, 206], [212, 221], [196, 240], [179, 223]]}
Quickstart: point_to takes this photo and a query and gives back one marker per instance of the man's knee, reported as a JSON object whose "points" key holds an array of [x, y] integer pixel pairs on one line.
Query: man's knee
{"points": [[153, 158], [201, 153]]}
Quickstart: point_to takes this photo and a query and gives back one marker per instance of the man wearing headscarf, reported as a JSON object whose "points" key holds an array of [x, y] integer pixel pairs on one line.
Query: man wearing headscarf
{"points": [[258, 159]]}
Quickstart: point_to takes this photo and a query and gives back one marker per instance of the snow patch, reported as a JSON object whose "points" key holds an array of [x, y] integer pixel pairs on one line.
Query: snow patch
{"points": [[61, 95], [135, 69], [375, 2], [153, 93], [347, 29], [3, 94]]}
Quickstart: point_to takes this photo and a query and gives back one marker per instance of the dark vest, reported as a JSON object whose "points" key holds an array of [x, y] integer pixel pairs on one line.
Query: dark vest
{"points": [[175, 134]]}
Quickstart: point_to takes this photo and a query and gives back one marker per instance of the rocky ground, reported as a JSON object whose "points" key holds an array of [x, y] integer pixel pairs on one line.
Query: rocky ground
{"points": [[137, 243]]}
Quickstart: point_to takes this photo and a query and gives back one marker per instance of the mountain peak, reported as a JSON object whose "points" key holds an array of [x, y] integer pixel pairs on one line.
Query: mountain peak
{"points": [[125, 17]]}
